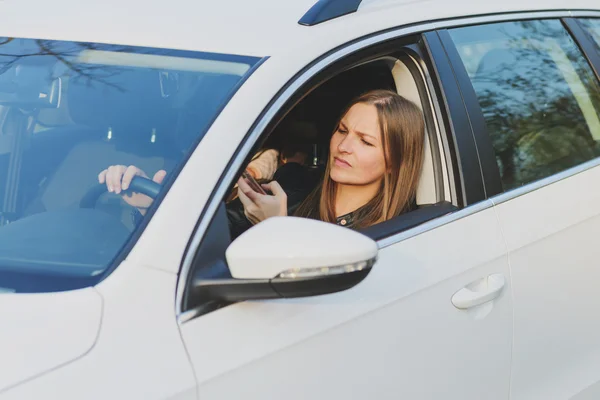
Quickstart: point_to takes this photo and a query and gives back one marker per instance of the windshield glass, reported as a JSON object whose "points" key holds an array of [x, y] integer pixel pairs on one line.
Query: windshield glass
{"points": [[68, 111]]}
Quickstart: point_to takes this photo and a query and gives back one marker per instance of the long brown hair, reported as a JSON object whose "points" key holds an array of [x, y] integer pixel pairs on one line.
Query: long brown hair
{"points": [[402, 128]]}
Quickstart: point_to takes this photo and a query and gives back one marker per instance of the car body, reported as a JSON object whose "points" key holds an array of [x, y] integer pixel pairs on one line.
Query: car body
{"points": [[486, 291]]}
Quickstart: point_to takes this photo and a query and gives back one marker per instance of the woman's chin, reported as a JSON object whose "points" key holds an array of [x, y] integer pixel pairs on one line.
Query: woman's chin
{"points": [[341, 177]]}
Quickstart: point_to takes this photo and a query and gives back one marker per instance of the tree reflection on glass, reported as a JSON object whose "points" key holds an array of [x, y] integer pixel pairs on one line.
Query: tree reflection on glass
{"points": [[538, 95], [60, 59]]}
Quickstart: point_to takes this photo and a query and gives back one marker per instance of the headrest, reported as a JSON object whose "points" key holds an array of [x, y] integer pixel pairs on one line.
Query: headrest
{"points": [[407, 88], [28, 83], [405, 83]]}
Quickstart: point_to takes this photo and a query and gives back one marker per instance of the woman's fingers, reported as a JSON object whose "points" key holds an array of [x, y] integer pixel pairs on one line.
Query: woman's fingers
{"points": [[246, 201], [275, 188], [259, 207], [250, 208], [108, 177], [113, 178], [118, 177], [102, 176], [129, 174], [244, 188], [159, 176]]}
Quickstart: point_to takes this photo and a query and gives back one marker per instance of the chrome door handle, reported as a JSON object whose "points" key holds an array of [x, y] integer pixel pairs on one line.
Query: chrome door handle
{"points": [[467, 298]]}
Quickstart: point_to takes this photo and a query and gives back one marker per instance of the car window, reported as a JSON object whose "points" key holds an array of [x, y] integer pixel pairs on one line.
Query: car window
{"points": [[539, 96], [68, 110], [592, 25], [296, 152]]}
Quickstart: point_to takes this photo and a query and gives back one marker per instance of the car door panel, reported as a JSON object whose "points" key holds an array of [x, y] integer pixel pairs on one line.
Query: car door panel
{"points": [[395, 335], [551, 235], [539, 96]]}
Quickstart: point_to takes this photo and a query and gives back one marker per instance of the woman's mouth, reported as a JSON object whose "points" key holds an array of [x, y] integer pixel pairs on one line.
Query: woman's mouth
{"points": [[341, 163]]}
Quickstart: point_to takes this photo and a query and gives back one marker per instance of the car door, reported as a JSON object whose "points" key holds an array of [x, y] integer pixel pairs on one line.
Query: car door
{"points": [[540, 99], [432, 320]]}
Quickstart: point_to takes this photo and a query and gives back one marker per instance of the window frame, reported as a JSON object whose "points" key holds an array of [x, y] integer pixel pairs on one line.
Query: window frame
{"points": [[464, 174], [467, 165], [492, 178]]}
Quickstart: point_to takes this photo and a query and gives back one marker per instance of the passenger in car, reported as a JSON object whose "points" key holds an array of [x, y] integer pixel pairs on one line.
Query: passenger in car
{"points": [[294, 140], [293, 174], [375, 158]]}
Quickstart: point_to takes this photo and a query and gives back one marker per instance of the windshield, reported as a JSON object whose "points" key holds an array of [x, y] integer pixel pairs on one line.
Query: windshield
{"points": [[69, 110]]}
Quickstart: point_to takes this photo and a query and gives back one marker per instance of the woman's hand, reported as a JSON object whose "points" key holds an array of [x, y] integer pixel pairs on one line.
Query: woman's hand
{"points": [[118, 178], [259, 207]]}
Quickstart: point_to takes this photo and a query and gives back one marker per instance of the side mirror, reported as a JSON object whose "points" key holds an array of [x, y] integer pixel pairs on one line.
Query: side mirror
{"points": [[292, 257]]}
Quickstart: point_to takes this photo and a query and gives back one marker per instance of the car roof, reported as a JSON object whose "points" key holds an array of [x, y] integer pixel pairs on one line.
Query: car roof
{"points": [[254, 28]]}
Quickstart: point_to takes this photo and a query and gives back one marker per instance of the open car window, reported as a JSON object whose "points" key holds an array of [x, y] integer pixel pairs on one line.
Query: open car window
{"points": [[68, 110], [295, 153]]}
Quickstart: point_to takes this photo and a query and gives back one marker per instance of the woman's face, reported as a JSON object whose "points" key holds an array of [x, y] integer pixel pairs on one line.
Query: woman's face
{"points": [[356, 148]]}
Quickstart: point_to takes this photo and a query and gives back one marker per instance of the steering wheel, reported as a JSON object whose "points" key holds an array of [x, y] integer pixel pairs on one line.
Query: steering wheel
{"points": [[138, 185]]}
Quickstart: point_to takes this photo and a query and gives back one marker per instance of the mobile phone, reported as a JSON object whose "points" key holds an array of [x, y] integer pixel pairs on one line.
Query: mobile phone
{"points": [[252, 182]]}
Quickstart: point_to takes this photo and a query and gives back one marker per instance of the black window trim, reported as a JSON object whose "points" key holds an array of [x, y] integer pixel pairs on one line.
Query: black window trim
{"points": [[287, 92], [490, 174], [465, 158]]}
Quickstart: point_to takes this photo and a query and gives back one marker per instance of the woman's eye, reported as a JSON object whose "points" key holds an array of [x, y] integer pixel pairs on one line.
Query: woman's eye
{"points": [[367, 143], [342, 130]]}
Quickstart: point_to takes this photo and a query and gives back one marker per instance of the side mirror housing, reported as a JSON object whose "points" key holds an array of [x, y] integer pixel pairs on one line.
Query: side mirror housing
{"points": [[291, 257]]}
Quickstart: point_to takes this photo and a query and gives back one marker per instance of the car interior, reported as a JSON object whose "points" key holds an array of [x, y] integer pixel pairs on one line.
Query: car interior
{"points": [[319, 111]]}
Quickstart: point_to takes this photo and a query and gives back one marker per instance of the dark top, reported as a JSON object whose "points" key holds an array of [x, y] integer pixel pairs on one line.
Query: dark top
{"points": [[347, 220]]}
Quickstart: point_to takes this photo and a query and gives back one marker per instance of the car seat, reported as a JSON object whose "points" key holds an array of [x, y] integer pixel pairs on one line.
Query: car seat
{"points": [[407, 88]]}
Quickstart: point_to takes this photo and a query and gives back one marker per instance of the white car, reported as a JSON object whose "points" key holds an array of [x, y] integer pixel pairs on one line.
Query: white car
{"points": [[489, 289]]}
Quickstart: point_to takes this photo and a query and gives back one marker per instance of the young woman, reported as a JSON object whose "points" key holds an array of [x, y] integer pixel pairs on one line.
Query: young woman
{"points": [[375, 157]]}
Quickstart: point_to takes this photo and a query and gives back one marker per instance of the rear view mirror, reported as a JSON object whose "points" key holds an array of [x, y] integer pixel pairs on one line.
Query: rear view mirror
{"points": [[29, 86], [292, 257]]}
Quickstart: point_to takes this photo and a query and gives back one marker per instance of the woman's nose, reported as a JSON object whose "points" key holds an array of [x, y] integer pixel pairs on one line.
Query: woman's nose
{"points": [[345, 145]]}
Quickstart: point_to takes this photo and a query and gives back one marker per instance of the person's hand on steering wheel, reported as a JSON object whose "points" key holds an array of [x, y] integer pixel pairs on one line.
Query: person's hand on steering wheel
{"points": [[118, 178]]}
